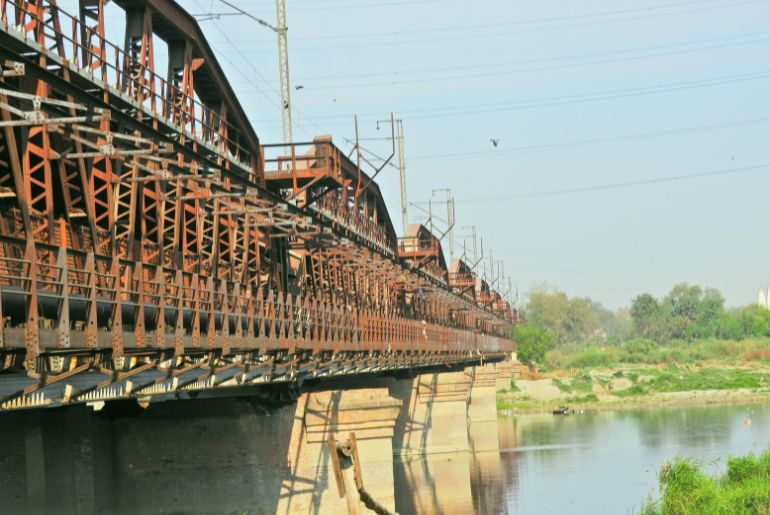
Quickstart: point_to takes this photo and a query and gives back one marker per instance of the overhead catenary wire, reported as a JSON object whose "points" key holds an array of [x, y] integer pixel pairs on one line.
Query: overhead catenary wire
{"points": [[501, 73], [251, 81], [456, 37], [593, 141], [471, 66], [613, 186], [549, 101], [532, 21]]}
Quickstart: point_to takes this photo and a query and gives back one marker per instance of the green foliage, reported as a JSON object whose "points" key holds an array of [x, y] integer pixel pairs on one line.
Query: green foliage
{"points": [[637, 389], [593, 358], [578, 399], [568, 319], [640, 346], [688, 325], [643, 352], [647, 316], [743, 489], [532, 342], [582, 383]]}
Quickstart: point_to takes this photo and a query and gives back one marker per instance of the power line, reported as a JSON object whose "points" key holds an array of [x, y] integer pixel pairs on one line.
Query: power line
{"points": [[537, 102], [532, 21], [357, 5], [612, 186], [641, 258], [501, 73], [626, 274], [251, 81], [592, 141], [456, 37], [255, 18], [469, 66], [632, 92]]}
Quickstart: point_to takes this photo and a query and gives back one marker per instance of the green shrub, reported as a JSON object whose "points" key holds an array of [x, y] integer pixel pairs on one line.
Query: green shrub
{"points": [[583, 399], [640, 346], [593, 358], [532, 343], [743, 489]]}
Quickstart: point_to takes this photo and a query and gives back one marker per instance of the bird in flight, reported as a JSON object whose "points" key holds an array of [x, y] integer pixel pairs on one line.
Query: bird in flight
{"points": [[299, 87], [495, 142]]}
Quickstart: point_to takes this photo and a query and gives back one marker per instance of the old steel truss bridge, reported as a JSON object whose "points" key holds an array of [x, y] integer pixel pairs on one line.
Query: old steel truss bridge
{"points": [[151, 247]]}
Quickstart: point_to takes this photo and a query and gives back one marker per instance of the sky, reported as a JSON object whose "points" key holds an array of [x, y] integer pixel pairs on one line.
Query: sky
{"points": [[592, 103]]}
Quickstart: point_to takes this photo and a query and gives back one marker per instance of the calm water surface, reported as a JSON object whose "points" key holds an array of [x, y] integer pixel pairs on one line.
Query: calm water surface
{"points": [[604, 462]]}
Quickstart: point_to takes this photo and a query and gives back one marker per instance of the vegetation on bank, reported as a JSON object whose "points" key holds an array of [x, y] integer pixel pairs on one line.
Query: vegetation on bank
{"points": [[686, 341], [646, 352], [639, 385], [690, 324], [743, 489]]}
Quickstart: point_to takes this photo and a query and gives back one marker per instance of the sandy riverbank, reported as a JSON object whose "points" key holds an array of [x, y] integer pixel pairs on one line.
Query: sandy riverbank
{"points": [[630, 388]]}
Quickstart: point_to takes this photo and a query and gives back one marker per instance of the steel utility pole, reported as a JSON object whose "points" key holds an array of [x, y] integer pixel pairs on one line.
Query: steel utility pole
{"points": [[283, 65], [450, 214], [402, 172], [399, 131], [283, 57]]}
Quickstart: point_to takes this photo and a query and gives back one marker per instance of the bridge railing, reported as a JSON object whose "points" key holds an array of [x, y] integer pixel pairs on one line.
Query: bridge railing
{"points": [[88, 301], [108, 63], [344, 213]]}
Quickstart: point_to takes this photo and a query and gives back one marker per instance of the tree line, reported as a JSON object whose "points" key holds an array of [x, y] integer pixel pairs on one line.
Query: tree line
{"points": [[686, 313]]}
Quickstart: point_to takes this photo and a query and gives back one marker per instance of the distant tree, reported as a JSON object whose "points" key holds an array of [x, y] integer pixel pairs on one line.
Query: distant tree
{"points": [[532, 342], [755, 321], [646, 314], [547, 309], [568, 319], [684, 301]]}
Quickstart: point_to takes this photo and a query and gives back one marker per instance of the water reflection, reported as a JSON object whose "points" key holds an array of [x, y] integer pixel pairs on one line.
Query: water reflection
{"points": [[592, 463], [460, 482], [231, 457], [608, 462]]}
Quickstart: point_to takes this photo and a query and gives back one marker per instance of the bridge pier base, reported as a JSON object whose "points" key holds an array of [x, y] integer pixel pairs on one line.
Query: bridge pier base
{"points": [[507, 370], [431, 443], [482, 400], [432, 419], [311, 486], [34, 464]]}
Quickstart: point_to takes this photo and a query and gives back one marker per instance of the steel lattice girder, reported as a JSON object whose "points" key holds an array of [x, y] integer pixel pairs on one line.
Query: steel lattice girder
{"points": [[137, 235]]}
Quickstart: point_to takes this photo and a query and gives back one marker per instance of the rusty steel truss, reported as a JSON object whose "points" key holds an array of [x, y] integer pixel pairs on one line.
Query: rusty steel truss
{"points": [[151, 246]]}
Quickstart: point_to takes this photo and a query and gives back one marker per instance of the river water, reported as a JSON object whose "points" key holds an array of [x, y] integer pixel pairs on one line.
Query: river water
{"points": [[600, 462], [230, 457]]}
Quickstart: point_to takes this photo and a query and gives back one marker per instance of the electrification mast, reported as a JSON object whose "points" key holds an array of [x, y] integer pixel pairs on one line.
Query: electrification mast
{"points": [[402, 172], [283, 65]]}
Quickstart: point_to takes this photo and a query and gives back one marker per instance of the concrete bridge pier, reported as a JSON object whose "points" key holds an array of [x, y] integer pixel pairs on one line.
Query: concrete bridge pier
{"points": [[310, 486], [482, 398], [508, 370], [49, 462], [442, 418]]}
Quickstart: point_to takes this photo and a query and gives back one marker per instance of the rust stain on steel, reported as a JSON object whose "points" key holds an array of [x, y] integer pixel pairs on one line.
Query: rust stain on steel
{"points": [[145, 230]]}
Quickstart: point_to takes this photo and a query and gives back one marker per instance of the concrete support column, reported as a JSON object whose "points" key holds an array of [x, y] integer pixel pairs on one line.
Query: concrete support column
{"points": [[482, 401], [431, 438], [433, 418], [311, 486], [34, 454]]}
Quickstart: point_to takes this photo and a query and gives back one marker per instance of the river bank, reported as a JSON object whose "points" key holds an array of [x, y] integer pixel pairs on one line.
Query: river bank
{"points": [[638, 387]]}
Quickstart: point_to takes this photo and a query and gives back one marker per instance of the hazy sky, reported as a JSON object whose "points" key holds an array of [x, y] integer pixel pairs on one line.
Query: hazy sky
{"points": [[668, 88]]}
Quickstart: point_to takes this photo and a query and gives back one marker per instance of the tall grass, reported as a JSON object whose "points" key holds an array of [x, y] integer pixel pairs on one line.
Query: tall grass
{"points": [[744, 488], [649, 353]]}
